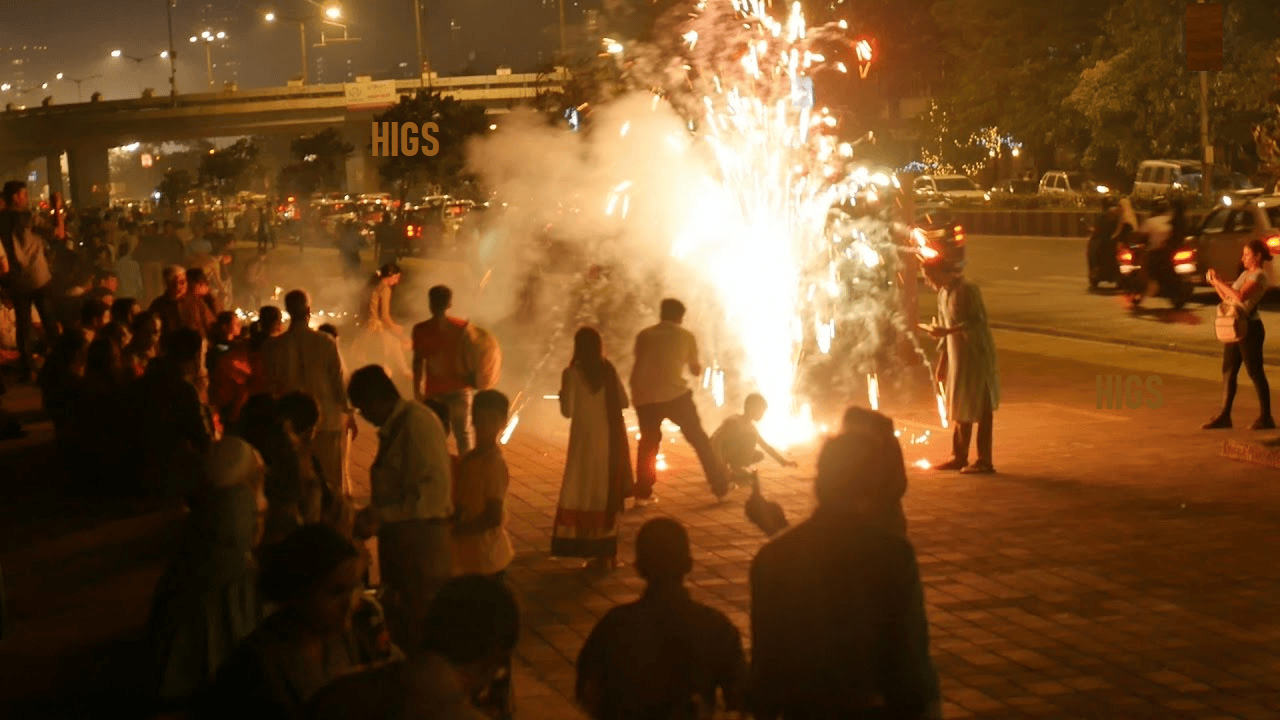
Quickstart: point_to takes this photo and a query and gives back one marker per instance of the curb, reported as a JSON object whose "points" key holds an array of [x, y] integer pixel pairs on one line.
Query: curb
{"points": [[1265, 453], [1088, 337]]}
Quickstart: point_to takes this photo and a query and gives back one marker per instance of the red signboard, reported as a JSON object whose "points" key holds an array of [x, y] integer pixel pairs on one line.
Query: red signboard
{"points": [[1204, 37]]}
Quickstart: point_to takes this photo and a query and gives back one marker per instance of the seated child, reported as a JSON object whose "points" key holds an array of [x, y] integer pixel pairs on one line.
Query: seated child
{"points": [[738, 443]]}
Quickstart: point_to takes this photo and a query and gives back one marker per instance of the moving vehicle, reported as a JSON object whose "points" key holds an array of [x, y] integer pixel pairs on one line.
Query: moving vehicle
{"points": [[1224, 231], [1015, 188], [1164, 177], [934, 235], [1077, 186], [949, 188], [1136, 280]]}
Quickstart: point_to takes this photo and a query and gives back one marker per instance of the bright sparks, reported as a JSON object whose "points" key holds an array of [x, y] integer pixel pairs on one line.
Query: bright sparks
{"points": [[510, 429]]}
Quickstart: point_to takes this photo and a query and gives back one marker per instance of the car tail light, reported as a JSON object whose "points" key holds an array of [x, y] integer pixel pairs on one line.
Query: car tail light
{"points": [[959, 233], [1125, 257], [408, 231], [1273, 243], [1184, 256]]}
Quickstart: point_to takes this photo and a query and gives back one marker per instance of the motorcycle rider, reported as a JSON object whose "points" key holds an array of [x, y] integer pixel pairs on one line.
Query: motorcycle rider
{"points": [[1159, 231], [1102, 248]]}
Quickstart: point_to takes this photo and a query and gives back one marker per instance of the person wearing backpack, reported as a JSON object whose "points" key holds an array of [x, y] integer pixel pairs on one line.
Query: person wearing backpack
{"points": [[439, 372]]}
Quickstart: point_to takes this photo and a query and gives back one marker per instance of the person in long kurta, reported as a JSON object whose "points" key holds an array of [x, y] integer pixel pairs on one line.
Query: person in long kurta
{"points": [[966, 365], [597, 472]]}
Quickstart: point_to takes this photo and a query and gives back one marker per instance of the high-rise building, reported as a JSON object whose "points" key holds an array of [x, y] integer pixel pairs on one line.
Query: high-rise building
{"points": [[476, 37], [23, 66], [228, 18]]}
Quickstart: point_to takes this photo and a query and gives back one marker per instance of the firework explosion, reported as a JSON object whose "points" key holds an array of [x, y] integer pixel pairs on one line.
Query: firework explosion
{"points": [[738, 187]]}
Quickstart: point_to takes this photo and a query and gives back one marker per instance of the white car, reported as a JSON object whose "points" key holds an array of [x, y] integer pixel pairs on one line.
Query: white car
{"points": [[949, 188]]}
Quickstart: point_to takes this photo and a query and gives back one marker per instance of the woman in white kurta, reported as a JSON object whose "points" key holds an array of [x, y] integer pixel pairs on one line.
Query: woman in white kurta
{"points": [[967, 366], [597, 471]]}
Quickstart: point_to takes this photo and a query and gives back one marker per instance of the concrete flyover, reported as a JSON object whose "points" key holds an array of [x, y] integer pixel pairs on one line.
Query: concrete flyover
{"points": [[86, 131]]}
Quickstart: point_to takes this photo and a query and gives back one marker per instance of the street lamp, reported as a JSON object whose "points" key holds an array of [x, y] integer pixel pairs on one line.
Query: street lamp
{"points": [[209, 37], [330, 13], [79, 82], [302, 38]]}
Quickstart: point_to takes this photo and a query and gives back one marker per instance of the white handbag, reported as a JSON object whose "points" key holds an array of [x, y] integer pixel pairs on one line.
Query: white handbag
{"points": [[1232, 323]]}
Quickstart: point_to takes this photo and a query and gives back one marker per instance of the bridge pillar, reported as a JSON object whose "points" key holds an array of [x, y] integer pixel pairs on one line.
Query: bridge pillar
{"points": [[362, 172], [53, 173], [90, 176]]}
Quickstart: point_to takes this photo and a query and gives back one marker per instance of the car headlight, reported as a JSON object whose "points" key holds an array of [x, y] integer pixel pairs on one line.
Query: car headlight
{"points": [[986, 196], [1103, 189]]}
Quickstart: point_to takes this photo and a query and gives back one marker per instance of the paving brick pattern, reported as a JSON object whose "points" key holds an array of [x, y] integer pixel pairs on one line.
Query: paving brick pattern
{"points": [[1048, 596]]}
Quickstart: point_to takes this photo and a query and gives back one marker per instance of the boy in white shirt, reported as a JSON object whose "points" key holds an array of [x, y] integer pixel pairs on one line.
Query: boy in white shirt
{"points": [[736, 441]]}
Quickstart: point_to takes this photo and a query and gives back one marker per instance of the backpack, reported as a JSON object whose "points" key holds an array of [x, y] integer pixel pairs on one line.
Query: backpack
{"points": [[481, 358]]}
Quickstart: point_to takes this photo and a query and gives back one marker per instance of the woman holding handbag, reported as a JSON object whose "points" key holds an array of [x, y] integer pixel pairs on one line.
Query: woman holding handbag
{"points": [[1243, 341]]}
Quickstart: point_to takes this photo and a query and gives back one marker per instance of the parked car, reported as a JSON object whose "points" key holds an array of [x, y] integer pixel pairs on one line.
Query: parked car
{"points": [[1165, 177], [949, 188], [1218, 240], [1077, 186]]}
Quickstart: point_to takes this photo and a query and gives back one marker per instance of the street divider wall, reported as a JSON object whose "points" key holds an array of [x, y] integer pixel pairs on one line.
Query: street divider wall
{"points": [[1033, 223]]}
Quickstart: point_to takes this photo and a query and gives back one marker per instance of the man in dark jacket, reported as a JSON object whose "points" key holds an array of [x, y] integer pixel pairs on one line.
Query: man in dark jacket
{"points": [[838, 623]]}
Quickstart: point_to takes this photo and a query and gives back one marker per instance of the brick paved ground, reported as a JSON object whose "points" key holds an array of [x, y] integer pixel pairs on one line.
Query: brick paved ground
{"points": [[1116, 568]]}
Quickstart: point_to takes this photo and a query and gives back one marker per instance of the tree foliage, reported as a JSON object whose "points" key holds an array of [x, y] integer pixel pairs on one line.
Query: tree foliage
{"points": [[176, 184], [229, 170], [458, 122], [1137, 98], [1012, 63], [320, 163]]}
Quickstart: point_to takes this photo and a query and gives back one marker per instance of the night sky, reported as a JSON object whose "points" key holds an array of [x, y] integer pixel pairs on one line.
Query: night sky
{"points": [[463, 37]]}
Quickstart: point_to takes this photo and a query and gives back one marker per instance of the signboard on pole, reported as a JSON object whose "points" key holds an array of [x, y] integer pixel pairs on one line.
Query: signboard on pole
{"points": [[371, 95], [1204, 37]]}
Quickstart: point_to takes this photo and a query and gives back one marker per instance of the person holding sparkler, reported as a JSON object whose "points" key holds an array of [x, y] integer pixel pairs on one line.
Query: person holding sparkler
{"points": [[660, 392], [967, 366]]}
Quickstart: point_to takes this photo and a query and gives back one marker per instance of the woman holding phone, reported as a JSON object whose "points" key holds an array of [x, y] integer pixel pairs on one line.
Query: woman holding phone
{"points": [[1247, 292]]}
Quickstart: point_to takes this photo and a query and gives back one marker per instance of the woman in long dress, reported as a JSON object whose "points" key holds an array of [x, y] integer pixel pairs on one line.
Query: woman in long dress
{"points": [[381, 340], [597, 472]]}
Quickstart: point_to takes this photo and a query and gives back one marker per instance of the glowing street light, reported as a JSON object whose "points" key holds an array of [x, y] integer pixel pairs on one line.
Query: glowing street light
{"points": [[209, 38], [270, 17], [116, 53], [58, 76], [333, 12]]}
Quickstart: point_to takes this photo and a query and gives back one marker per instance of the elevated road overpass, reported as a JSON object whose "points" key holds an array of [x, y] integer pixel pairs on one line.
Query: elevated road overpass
{"points": [[86, 131]]}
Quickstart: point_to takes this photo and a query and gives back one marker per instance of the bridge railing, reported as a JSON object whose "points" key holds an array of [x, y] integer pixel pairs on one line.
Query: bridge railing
{"points": [[472, 87]]}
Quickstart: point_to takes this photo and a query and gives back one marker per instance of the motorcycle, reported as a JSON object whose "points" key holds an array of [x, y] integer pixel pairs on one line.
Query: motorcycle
{"points": [[1137, 283]]}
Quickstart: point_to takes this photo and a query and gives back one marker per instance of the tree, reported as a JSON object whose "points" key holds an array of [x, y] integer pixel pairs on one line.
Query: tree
{"points": [[1138, 100], [173, 188], [321, 163], [446, 170], [1012, 63], [229, 170]]}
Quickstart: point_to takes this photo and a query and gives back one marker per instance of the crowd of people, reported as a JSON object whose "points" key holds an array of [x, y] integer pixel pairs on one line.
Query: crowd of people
{"points": [[263, 609]]}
